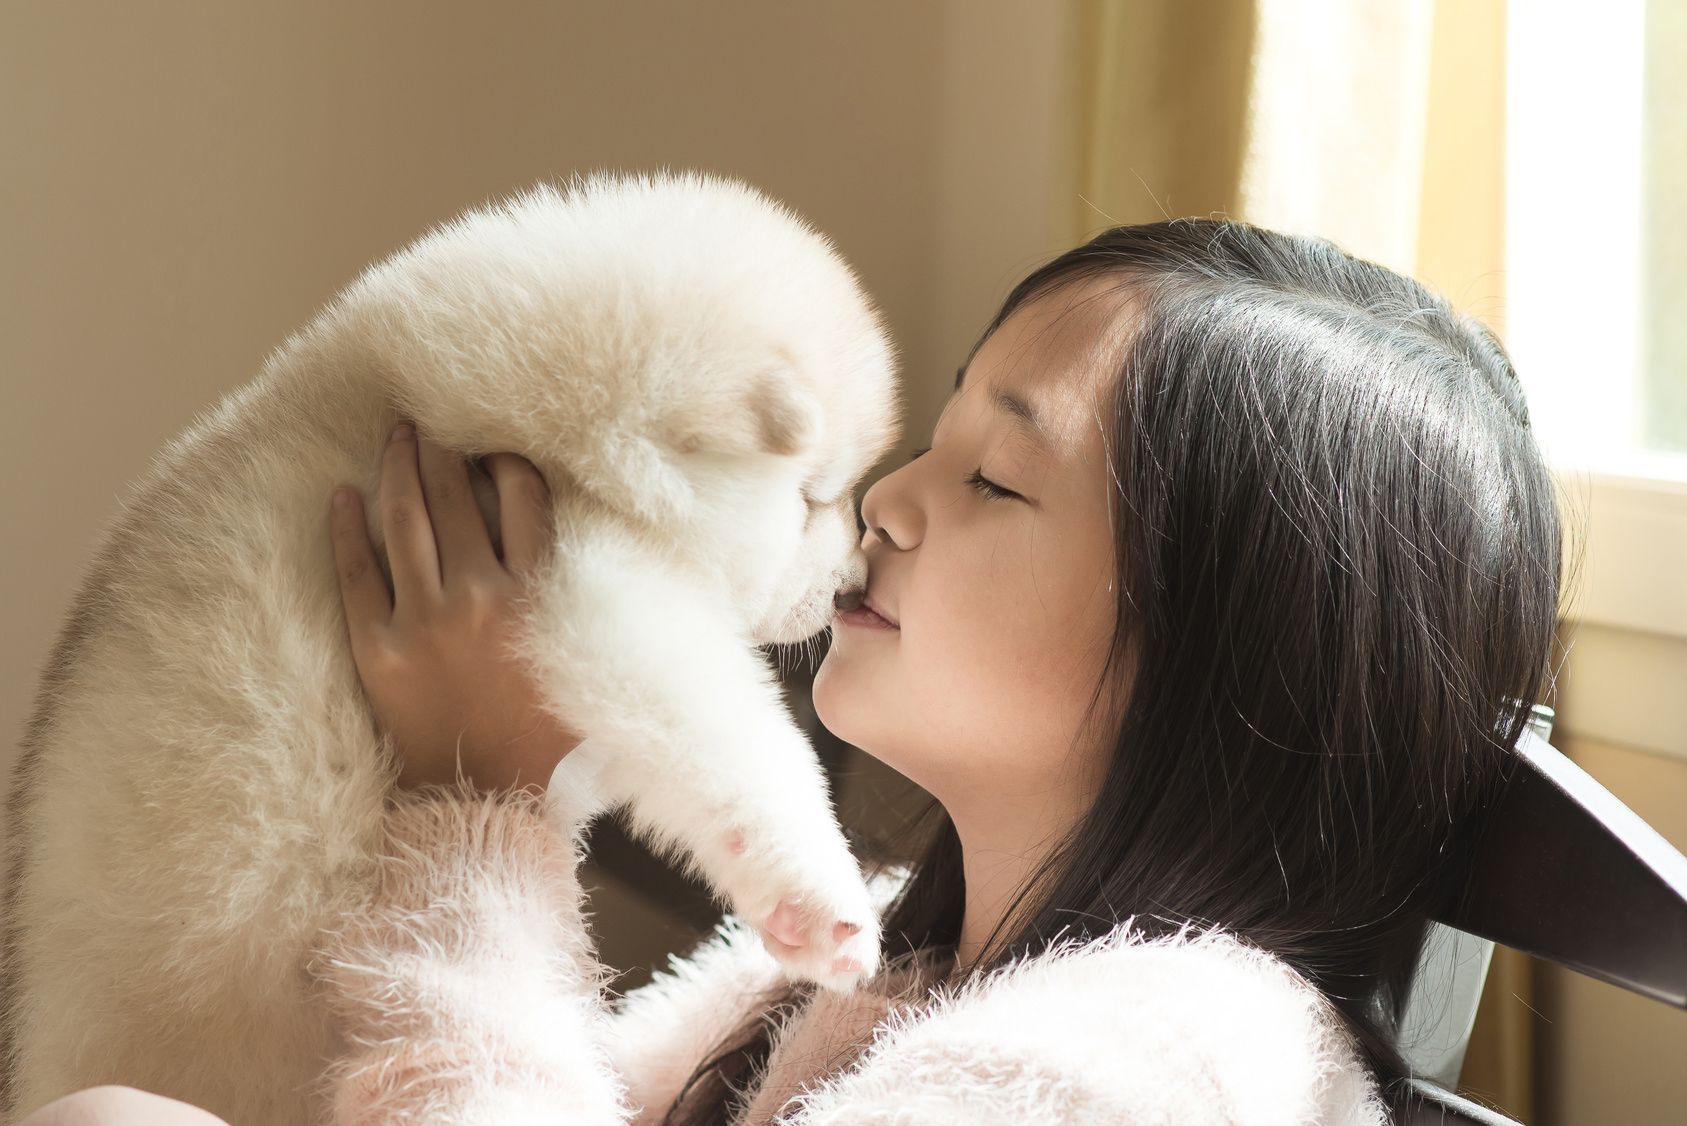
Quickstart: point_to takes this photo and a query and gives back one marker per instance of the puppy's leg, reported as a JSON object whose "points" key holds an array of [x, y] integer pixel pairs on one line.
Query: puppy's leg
{"points": [[685, 722]]}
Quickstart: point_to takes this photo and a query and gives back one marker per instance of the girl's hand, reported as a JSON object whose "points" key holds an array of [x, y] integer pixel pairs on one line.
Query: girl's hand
{"points": [[434, 653]]}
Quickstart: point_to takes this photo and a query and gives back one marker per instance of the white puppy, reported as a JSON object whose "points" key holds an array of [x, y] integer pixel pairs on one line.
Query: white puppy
{"points": [[702, 382]]}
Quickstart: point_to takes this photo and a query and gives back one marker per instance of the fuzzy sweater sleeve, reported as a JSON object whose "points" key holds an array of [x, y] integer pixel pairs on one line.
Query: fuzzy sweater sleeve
{"points": [[1124, 1030], [465, 988]]}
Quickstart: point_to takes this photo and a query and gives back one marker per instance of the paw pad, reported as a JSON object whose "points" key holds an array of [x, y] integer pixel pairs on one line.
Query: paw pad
{"points": [[785, 924]]}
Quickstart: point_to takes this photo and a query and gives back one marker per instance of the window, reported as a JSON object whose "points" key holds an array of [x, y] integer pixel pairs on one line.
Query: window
{"points": [[1596, 239], [1596, 281]]}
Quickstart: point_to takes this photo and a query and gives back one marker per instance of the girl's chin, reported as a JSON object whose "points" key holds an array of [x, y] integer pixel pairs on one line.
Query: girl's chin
{"points": [[836, 692]]}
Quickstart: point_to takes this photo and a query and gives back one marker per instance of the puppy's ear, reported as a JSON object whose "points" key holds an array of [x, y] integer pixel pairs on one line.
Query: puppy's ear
{"points": [[788, 418], [769, 413]]}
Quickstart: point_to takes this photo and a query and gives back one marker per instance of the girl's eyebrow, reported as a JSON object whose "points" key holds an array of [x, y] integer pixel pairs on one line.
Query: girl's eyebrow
{"points": [[1019, 410]]}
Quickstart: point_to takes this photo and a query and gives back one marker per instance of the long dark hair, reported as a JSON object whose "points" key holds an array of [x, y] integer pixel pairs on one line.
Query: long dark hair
{"points": [[1338, 548]]}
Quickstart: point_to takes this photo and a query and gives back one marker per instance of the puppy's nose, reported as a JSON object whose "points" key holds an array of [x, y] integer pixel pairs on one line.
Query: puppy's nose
{"points": [[849, 599]]}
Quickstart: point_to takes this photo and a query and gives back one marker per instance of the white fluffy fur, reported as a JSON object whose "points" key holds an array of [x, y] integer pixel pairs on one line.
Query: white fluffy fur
{"points": [[702, 382], [1189, 1029]]}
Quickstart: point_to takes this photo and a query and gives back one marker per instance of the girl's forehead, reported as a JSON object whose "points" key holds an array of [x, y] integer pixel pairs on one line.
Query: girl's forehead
{"points": [[1073, 330], [1054, 356]]}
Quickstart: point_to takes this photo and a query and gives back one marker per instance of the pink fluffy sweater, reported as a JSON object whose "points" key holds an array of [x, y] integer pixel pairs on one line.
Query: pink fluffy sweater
{"points": [[466, 991]]}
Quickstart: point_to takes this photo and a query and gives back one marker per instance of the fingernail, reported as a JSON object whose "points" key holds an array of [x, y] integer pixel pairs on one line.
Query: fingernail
{"points": [[342, 498], [403, 430]]}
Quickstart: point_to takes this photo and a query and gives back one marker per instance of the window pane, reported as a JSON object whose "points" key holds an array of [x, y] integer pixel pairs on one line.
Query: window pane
{"points": [[1663, 242]]}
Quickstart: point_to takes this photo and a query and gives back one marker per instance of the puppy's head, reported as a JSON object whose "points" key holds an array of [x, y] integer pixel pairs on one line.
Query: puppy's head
{"points": [[683, 349], [781, 500], [785, 397]]}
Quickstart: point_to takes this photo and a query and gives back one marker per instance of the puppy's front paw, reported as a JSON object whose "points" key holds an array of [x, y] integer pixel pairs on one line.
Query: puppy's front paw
{"points": [[835, 953], [820, 929]]}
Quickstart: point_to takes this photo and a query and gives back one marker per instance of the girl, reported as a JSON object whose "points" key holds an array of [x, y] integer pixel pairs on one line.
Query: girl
{"points": [[1208, 621]]}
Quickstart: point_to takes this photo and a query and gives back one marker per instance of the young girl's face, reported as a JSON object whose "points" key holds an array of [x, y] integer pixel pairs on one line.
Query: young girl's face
{"points": [[1004, 604]]}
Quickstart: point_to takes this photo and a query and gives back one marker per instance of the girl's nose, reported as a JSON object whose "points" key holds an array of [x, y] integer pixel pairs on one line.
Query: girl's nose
{"points": [[889, 512]]}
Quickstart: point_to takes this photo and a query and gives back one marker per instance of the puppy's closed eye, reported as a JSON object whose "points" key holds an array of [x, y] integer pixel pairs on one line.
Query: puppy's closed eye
{"points": [[771, 413], [787, 416]]}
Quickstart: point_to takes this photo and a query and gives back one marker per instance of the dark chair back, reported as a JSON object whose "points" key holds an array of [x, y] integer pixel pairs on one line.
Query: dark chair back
{"points": [[1563, 871]]}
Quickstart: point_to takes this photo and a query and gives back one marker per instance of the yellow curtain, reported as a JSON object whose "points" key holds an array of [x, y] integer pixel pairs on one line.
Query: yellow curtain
{"points": [[1380, 126], [1160, 94]]}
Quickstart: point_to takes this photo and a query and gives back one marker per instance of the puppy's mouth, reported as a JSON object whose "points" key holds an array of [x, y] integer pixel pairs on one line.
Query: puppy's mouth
{"points": [[804, 621]]}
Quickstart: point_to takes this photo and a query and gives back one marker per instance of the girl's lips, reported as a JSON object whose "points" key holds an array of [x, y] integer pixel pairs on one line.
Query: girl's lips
{"points": [[863, 617]]}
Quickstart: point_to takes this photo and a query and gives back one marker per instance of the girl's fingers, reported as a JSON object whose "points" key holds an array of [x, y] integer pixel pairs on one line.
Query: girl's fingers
{"points": [[459, 529], [363, 588], [404, 517], [524, 509]]}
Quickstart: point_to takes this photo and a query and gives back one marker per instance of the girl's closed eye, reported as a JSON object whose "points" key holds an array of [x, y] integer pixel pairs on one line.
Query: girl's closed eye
{"points": [[980, 482]]}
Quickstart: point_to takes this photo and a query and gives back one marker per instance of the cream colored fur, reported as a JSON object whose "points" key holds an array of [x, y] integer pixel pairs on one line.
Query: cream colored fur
{"points": [[702, 382]]}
